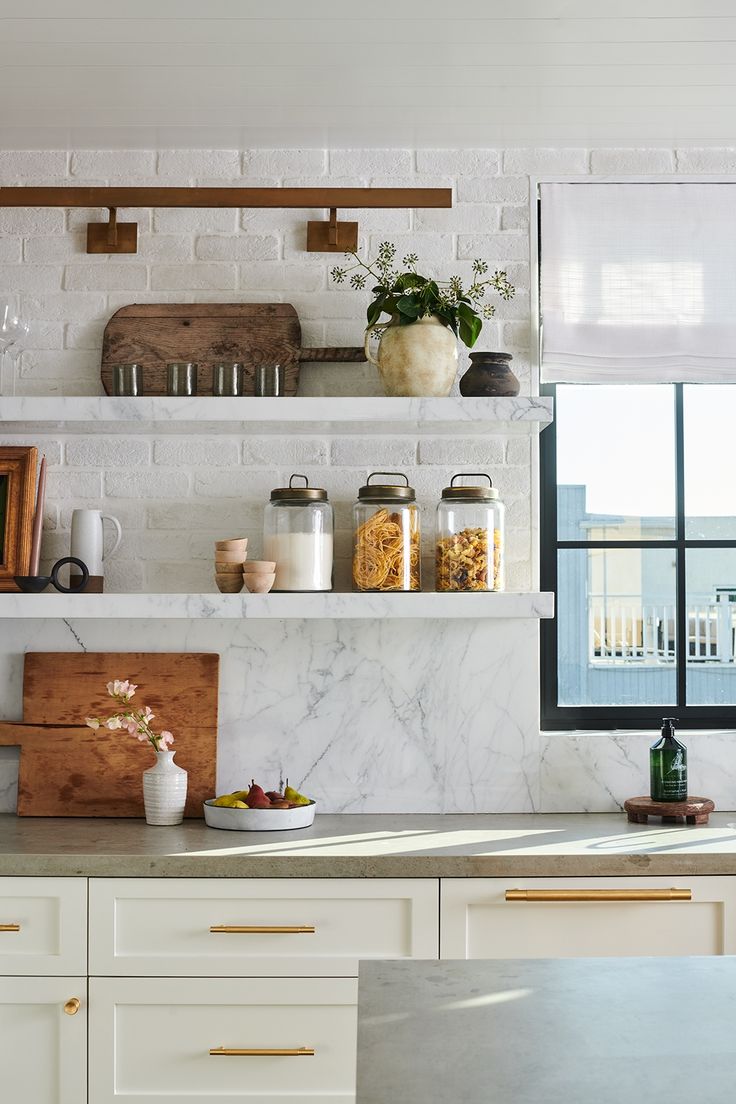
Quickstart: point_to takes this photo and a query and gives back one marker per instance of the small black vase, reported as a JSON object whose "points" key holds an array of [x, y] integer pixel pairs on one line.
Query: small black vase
{"points": [[489, 375]]}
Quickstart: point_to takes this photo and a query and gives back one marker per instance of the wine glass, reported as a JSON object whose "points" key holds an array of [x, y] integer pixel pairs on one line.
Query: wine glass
{"points": [[13, 331]]}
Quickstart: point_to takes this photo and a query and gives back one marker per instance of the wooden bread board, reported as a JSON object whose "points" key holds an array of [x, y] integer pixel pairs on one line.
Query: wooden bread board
{"points": [[152, 334], [67, 769]]}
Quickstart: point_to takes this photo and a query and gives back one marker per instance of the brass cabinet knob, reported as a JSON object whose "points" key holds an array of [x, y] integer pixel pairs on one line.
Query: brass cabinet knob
{"points": [[72, 1006]]}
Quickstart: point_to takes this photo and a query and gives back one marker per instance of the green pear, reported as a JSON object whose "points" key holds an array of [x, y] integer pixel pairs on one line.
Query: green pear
{"points": [[294, 797]]}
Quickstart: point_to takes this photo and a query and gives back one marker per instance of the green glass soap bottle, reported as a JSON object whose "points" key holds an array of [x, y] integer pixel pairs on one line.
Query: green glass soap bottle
{"points": [[668, 766]]}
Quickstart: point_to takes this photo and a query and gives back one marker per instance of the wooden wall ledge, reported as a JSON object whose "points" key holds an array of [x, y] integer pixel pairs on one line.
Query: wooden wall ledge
{"points": [[322, 237], [224, 197]]}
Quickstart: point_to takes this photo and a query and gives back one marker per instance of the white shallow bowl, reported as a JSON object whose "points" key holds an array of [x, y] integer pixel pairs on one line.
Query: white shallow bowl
{"points": [[258, 820]]}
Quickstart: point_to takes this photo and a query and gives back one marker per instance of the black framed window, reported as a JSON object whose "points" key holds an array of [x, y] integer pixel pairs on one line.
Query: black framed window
{"points": [[638, 542]]}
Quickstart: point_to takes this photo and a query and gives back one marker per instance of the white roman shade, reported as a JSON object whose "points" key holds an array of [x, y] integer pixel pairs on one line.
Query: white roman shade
{"points": [[638, 283]]}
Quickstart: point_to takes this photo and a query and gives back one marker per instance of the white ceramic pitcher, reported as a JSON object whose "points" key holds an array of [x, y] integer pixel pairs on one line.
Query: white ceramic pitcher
{"points": [[88, 543]]}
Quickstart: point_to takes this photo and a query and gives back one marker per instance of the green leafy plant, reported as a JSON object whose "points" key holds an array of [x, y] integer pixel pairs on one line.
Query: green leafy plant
{"points": [[408, 296]]}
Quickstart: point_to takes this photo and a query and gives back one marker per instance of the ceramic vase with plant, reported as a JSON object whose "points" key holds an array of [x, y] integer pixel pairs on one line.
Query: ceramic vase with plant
{"points": [[417, 351], [165, 783]]}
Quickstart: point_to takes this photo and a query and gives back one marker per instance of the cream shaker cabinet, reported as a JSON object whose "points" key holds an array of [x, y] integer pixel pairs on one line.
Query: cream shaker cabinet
{"points": [[240, 989], [284, 1040], [43, 1040], [581, 917], [43, 926], [43, 1019], [293, 927], [246, 989]]}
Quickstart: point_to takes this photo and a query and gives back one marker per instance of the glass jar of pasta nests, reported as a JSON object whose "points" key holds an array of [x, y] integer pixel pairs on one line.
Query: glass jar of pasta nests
{"points": [[469, 551], [386, 542]]}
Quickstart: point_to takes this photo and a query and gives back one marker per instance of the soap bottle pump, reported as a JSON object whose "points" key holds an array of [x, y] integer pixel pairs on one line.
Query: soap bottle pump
{"points": [[668, 766]]}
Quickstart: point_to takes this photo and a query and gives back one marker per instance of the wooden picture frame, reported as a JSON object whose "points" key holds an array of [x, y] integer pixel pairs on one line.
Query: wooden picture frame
{"points": [[17, 505]]}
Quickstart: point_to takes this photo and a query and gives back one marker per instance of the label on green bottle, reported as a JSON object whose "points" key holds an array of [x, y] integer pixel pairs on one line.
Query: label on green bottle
{"points": [[669, 774]]}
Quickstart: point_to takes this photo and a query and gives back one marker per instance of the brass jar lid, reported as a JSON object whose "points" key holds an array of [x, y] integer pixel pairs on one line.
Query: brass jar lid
{"points": [[471, 494], [301, 495], [387, 492]]}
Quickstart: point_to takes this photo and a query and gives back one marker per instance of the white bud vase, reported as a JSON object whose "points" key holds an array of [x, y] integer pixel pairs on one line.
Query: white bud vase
{"points": [[164, 790]]}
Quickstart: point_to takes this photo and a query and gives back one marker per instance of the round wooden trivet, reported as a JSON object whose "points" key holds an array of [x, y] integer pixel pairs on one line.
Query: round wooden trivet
{"points": [[695, 810]]}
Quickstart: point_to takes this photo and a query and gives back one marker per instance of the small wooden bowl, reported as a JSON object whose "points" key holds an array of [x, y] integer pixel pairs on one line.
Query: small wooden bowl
{"points": [[259, 582], [259, 567], [229, 555], [229, 584], [232, 544]]}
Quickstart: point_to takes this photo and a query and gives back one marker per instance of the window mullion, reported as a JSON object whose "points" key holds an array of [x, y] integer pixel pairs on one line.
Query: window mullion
{"points": [[682, 627]]}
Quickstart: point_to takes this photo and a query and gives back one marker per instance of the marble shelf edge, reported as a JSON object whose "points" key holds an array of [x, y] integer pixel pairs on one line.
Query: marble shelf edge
{"points": [[505, 605], [307, 415]]}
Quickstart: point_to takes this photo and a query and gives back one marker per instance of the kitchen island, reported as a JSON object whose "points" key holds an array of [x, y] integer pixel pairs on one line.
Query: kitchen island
{"points": [[569, 1031]]}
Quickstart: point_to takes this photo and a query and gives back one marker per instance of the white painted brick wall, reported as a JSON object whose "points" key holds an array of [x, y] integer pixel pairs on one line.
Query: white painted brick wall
{"points": [[609, 162]]}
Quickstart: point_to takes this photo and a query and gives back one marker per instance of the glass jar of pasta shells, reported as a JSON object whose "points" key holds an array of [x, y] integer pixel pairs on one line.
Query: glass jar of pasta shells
{"points": [[469, 552], [386, 543]]}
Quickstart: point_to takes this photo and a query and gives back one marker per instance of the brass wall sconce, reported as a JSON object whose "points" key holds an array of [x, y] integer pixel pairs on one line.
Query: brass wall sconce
{"points": [[322, 237]]}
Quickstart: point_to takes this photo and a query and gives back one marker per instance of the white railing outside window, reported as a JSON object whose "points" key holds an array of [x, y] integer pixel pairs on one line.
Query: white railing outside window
{"points": [[626, 630]]}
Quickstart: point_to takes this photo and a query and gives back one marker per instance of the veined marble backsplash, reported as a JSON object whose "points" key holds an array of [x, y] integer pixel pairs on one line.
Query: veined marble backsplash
{"points": [[379, 716], [385, 716]]}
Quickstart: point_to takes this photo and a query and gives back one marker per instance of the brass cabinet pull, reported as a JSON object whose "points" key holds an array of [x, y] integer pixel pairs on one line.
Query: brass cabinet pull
{"points": [[263, 1052], [599, 895], [9, 927], [72, 1006], [262, 929]]}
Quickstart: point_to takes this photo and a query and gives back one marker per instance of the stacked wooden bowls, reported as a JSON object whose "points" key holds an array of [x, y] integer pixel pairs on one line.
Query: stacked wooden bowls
{"points": [[259, 576], [230, 557]]}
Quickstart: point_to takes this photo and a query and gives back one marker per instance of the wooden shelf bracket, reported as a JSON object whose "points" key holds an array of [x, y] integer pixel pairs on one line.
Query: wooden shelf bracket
{"points": [[112, 236], [332, 236]]}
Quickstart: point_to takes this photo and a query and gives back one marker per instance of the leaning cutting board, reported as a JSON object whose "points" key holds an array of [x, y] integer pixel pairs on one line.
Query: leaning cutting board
{"points": [[67, 769], [152, 334]]}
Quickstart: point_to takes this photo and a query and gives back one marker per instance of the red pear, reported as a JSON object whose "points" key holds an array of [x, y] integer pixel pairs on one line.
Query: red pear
{"points": [[274, 795], [256, 798]]}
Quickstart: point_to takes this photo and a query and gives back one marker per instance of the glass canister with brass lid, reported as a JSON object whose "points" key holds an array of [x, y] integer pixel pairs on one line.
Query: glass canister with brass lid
{"points": [[469, 550], [297, 537], [386, 541]]}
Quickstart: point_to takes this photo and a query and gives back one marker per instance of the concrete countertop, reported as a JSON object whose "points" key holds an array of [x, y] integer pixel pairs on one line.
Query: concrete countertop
{"points": [[563, 1031], [372, 846]]}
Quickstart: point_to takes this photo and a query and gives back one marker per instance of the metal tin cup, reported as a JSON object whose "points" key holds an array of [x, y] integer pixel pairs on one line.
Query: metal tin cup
{"points": [[227, 379], [181, 378], [269, 379], [127, 379]]}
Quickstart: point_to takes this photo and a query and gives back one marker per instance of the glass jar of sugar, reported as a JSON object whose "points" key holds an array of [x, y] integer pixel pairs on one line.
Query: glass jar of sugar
{"points": [[297, 535]]}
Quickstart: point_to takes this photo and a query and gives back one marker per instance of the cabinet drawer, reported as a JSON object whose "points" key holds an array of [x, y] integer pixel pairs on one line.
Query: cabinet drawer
{"points": [[478, 921], [43, 926], [151, 1040], [287, 927]]}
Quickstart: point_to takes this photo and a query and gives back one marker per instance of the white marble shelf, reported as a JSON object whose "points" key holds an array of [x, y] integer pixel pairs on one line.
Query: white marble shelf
{"points": [[364, 416], [278, 606]]}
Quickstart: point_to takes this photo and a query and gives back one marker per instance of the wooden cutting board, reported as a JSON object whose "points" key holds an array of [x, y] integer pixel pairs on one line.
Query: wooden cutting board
{"points": [[67, 769], [152, 334]]}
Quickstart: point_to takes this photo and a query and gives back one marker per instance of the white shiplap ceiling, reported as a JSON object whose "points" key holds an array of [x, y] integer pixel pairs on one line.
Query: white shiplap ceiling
{"points": [[230, 73]]}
